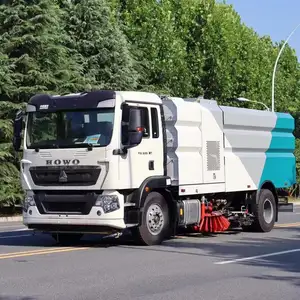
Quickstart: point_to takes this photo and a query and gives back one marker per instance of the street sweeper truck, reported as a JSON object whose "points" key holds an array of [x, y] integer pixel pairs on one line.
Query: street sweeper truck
{"points": [[108, 162]]}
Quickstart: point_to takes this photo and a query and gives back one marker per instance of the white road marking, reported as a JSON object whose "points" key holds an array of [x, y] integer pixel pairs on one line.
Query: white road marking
{"points": [[255, 257]]}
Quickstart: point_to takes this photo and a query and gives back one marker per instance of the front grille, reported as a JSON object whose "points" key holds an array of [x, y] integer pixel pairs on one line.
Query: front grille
{"points": [[65, 202], [65, 175], [64, 207]]}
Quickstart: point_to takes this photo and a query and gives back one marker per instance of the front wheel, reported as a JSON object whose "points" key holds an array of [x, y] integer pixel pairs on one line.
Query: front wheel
{"points": [[155, 222]]}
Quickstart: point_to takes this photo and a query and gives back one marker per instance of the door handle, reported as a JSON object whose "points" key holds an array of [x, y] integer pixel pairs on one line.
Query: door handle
{"points": [[151, 165]]}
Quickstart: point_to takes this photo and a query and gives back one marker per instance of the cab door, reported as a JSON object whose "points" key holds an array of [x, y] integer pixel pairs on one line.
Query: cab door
{"points": [[146, 159]]}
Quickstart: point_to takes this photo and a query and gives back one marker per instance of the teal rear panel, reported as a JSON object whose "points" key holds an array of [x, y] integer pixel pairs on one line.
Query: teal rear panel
{"points": [[280, 164]]}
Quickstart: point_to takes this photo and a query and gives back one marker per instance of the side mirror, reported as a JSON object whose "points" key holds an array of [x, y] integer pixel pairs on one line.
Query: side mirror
{"points": [[135, 138], [18, 125], [135, 129], [132, 129]]}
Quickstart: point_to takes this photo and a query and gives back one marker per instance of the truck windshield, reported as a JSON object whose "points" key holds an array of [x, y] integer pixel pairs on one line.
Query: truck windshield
{"points": [[65, 129]]}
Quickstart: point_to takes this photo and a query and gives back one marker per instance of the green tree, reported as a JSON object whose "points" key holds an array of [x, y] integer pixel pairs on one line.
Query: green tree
{"points": [[10, 190], [222, 47], [150, 26], [107, 58], [34, 40], [287, 92], [238, 62], [191, 19]]}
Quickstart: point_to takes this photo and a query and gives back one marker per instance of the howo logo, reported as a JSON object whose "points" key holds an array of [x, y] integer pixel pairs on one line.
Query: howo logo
{"points": [[58, 162]]}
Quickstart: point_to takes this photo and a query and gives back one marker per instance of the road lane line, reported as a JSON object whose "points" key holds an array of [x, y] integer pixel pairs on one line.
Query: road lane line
{"points": [[255, 257], [33, 251], [7, 256], [287, 225]]}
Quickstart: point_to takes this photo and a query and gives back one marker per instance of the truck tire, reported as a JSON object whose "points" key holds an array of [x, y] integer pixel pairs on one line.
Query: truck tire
{"points": [[265, 212], [67, 239], [155, 221]]}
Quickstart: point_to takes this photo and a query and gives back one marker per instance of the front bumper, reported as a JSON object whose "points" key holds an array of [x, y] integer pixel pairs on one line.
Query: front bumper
{"points": [[95, 220]]}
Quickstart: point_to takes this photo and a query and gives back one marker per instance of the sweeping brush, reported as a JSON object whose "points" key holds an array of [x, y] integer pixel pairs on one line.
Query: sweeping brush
{"points": [[211, 221]]}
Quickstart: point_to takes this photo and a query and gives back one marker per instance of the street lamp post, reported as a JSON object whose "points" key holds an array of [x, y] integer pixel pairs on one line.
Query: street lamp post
{"points": [[276, 63]]}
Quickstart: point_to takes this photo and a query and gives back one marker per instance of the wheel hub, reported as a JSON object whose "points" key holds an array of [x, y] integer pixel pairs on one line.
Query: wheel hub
{"points": [[155, 219], [268, 211]]}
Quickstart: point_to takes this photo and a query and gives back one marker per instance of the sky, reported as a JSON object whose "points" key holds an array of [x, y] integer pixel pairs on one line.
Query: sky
{"points": [[276, 18]]}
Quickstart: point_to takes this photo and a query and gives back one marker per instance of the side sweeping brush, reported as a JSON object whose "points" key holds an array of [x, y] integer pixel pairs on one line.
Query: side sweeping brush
{"points": [[211, 221]]}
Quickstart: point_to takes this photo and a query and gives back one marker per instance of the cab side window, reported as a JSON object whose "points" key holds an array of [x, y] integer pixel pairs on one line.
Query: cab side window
{"points": [[145, 121], [155, 126]]}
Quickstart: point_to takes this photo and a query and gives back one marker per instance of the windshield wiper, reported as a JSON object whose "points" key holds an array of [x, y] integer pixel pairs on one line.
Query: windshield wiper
{"points": [[37, 148], [88, 145]]}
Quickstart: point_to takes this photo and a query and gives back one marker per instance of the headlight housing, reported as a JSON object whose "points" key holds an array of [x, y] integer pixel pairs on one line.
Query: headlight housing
{"points": [[108, 203], [28, 201]]}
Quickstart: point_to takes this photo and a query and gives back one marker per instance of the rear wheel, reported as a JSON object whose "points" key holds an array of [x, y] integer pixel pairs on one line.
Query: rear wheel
{"points": [[154, 226], [265, 212]]}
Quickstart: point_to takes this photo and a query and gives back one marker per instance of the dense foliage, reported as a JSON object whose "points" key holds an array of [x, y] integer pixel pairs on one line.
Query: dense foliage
{"points": [[182, 48]]}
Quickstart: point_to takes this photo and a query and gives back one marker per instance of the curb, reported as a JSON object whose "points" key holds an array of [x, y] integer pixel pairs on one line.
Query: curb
{"points": [[11, 219]]}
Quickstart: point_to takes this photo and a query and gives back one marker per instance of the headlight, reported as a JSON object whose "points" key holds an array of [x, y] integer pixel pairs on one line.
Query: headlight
{"points": [[109, 203], [28, 201]]}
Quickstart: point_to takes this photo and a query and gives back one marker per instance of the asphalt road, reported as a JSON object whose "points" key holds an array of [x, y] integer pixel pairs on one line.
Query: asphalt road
{"points": [[227, 266]]}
